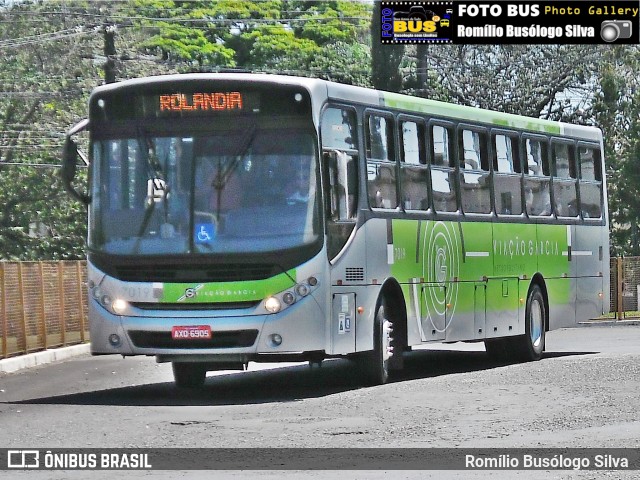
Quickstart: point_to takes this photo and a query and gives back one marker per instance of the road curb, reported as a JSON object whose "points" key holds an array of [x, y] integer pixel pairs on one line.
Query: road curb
{"points": [[609, 322], [13, 364]]}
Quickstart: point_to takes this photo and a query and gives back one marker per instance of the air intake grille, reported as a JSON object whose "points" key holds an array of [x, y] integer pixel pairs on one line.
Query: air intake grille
{"points": [[228, 272], [354, 274], [195, 306]]}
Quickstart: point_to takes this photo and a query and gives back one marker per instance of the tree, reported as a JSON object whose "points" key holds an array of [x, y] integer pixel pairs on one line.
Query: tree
{"points": [[546, 81], [275, 36], [617, 113], [385, 59], [43, 80]]}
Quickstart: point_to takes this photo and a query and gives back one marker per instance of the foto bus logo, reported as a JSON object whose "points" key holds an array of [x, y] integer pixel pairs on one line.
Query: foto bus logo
{"points": [[407, 23]]}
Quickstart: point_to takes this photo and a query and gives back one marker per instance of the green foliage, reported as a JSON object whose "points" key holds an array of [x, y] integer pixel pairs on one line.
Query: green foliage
{"points": [[179, 43], [330, 64], [37, 219], [617, 112], [44, 79], [271, 45], [275, 36]]}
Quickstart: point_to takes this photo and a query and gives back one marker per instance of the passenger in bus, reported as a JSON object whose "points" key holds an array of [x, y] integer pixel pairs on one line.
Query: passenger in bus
{"points": [[298, 191], [385, 190], [537, 202]]}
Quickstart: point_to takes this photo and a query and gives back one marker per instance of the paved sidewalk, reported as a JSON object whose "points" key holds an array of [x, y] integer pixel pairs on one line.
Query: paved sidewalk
{"points": [[13, 364]]}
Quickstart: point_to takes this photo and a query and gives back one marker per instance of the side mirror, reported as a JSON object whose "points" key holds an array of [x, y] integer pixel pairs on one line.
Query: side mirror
{"points": [[69, 167]]}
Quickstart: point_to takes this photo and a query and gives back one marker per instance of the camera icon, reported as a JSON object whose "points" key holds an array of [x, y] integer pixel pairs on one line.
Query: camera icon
{"points": [[612, 30]]}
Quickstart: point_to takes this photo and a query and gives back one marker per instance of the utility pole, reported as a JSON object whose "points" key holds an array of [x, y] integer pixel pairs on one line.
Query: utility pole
{"points": [[109, 32]]}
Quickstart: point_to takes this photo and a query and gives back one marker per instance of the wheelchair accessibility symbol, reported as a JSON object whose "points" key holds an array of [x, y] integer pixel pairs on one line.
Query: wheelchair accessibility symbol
{"points": [[204, 232]]}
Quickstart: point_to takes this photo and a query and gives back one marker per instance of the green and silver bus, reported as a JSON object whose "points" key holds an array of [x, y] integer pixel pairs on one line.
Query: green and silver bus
{"points": [[242, 217]]}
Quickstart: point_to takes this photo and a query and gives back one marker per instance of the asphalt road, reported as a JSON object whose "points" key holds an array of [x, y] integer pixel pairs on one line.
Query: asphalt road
{"points": [[585, 392]]}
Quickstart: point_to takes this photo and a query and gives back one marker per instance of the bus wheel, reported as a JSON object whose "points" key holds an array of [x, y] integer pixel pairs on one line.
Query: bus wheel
{"points": [[532, 344], [189, 375], [529, 347], [376, 364]]}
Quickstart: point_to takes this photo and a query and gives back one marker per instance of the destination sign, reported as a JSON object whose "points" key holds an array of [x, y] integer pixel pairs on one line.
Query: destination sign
{"points": [[202, 102]]}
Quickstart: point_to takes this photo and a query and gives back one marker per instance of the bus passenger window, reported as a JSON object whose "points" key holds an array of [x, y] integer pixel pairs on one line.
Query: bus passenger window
{"points": [[506, 179], [475, 188], [590, 182], [443, 181], [537, 181], [413, 173], [564, 184], [381, 167], [441, 142], [412, 145], [381, 185], [380, 138], [589, 164]]}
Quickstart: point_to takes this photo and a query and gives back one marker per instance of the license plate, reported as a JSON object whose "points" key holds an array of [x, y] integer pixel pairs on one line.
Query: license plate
{"points": [[197, 332]]}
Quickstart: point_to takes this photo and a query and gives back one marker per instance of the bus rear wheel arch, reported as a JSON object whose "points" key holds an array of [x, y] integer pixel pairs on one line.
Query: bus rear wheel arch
{"points": [[531, 345]]}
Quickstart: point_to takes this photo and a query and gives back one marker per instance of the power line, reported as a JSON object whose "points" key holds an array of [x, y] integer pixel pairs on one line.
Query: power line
{"points": [[35, 165]]}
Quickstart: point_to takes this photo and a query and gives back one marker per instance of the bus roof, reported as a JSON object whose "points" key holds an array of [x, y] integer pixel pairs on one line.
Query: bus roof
{"points": [[377, 98]]}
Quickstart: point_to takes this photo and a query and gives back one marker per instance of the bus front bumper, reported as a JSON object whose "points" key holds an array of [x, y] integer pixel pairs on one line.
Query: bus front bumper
{"points": [[296, 329]]}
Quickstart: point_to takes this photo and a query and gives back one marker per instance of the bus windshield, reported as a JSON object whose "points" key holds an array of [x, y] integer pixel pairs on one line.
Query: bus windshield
{"points": [[232, 191]]}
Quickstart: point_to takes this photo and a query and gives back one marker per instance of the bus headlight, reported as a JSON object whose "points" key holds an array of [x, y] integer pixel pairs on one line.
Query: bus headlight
{"points": [[119, 306], [272, 305], [277, 302]]}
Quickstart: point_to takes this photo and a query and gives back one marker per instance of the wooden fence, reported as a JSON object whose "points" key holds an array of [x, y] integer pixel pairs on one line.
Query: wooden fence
{"points": [[42, 305], [625, 287]]}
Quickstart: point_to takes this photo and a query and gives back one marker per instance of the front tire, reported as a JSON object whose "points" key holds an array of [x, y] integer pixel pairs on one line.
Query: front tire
{"points": [[189, 375], [377, 363]]}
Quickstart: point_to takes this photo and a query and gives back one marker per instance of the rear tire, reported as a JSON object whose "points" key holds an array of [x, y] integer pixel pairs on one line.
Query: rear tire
{"points": [[189, 375], [531, 345]]}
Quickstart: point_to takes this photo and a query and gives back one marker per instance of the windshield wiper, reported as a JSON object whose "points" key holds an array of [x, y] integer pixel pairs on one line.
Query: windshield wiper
{"points": [[157, 186], [224, 174]]}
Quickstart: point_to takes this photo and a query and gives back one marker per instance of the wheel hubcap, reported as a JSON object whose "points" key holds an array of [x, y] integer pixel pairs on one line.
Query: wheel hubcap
{"points": [[536, 323], [387, 348]]}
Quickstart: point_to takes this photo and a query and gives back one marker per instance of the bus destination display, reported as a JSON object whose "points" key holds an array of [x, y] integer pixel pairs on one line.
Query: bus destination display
{"points": [[204, 102]]}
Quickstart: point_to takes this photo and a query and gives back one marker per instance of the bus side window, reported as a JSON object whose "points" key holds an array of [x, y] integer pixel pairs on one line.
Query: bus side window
{"points": [[443, 180], [565, 193], [413, 168], [381, 167], [590, 182], [506, 178], [338, 129], [537, 179], [475, 186]]}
